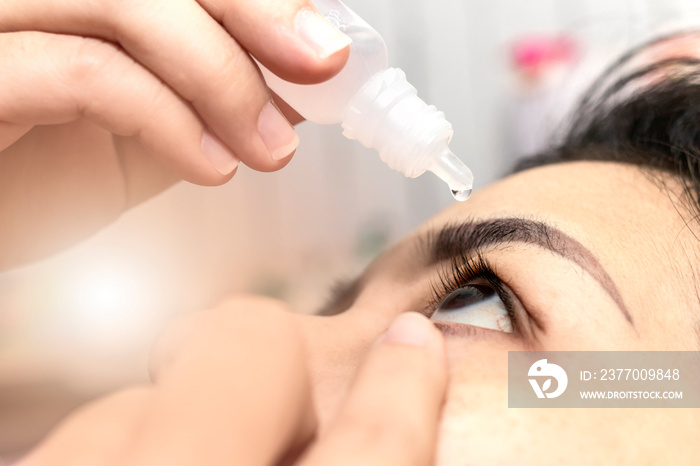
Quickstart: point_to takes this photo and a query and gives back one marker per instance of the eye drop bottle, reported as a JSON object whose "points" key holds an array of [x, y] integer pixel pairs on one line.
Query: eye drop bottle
{"points": [[377, 106]]}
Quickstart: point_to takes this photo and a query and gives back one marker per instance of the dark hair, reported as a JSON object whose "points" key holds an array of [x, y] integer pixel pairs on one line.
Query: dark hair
{"points": [[645, 114]]}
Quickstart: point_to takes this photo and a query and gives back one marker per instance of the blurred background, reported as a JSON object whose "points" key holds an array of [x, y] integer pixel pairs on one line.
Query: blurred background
{"points": [[503, 71]]}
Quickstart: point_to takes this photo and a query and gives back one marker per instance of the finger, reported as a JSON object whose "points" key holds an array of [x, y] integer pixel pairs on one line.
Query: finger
{"points": [[10, 133], [50, 79], [186, 48], [233, 390], [96, 434], [290, 37], [391, 414]]}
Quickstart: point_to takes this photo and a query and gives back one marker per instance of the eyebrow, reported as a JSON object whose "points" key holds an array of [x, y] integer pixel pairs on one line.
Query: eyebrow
{"points": [[461, 239], [464, 238]]}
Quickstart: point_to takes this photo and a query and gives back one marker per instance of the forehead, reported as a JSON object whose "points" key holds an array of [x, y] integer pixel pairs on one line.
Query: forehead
{"points": [[607, 205], [632, 222], [590, 191]]}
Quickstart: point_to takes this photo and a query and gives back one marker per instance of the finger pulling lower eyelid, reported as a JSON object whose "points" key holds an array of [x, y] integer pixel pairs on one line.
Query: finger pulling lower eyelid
{"points": [[410, 329]]}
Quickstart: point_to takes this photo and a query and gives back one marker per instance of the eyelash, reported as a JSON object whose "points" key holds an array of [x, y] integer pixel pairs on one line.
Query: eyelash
{"points": [[463, 271]]}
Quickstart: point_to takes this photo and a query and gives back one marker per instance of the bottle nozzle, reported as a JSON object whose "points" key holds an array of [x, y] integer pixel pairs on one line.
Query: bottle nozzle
{"points": [[452, 171]]}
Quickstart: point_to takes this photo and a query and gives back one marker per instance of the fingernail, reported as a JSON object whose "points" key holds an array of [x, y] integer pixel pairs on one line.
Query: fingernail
{"points": [[409, 328], [324, 38], [218, 154], [276, 132]]}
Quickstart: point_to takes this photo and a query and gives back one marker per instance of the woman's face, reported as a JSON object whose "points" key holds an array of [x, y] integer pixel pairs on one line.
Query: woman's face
{"points": [[588, 256]]}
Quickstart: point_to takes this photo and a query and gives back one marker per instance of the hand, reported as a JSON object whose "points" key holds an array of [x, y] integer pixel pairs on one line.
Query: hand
{"points": [[104, 103], [232, 388]]}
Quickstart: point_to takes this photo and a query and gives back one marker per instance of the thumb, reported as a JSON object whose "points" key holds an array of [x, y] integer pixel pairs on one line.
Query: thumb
{"points": [[289, 37]]}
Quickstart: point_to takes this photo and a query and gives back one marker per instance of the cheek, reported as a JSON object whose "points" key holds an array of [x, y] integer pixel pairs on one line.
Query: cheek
{"points": [[478, 361], [492, 434], [478, 428]]}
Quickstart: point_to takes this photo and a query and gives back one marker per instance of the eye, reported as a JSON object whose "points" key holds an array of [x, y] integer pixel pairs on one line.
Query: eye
{"points": [[477, 305]]}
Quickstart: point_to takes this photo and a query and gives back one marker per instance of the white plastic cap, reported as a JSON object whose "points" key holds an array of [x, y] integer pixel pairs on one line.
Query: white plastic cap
{"points": [[410, 136]]}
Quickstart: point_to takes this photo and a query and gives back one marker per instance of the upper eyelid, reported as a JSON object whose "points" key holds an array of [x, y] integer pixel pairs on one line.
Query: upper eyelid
{"points": [[472, 234]]}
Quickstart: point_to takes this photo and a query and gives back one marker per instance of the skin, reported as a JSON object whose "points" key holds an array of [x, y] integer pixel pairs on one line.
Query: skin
{"points": [[635, 230], [640, 237], [232, 387], [105, 104]]}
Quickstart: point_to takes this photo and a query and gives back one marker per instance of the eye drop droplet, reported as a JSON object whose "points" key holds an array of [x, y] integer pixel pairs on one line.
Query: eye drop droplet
{"points": [[461, 194]]}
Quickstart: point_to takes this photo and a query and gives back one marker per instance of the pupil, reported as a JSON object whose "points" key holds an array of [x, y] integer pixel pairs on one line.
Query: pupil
{"points": [[466, 296]]}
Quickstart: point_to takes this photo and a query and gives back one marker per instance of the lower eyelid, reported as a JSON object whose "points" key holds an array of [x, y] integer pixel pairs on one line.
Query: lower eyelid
{"points": [[508, 341], [469, 331], [458, 330]]}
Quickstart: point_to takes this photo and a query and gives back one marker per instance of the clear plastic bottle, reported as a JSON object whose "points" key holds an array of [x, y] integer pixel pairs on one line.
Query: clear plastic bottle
{"points": [[377, 106]]}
